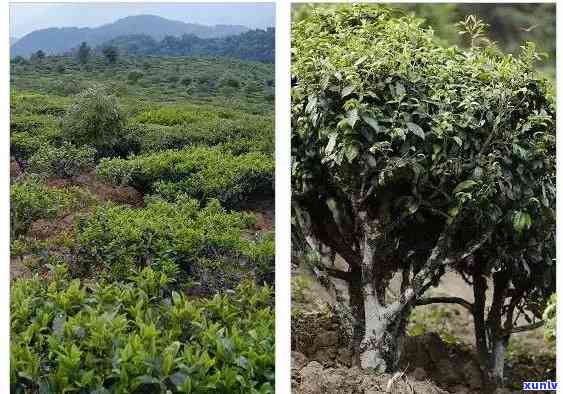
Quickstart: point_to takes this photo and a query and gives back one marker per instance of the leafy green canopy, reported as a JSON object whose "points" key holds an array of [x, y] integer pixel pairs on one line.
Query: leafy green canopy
{"points": [[139, 336], [465, 138], [31, 200], [95, 118], [168, 235], [64, 161], [201, 172]]}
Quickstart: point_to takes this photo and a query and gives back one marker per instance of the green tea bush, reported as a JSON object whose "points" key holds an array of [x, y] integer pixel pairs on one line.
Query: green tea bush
{"points": [[24, 145], [171, 116], [134, 76], [94, 119], [117, 88], [64, 161], [29, 132], [66, 87], [229, 81], [31, 200], [168, 236], [201, 172], [139, 336], [36, 104], [448, 152], [255, 132]]}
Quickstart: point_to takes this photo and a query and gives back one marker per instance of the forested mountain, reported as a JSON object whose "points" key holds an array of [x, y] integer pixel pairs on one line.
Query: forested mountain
{"points": [[58, 40], [255, 45]]}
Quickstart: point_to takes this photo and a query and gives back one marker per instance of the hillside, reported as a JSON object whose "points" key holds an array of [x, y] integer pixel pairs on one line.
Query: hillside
{"points": [[256, 45], [57, 40], [173, 189]]}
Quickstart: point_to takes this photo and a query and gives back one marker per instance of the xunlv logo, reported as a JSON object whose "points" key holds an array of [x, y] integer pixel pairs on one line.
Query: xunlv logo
{"points": [[532, 386]]}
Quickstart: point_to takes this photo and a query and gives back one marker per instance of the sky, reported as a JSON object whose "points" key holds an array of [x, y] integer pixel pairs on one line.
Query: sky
{"points": [[27, 17]]}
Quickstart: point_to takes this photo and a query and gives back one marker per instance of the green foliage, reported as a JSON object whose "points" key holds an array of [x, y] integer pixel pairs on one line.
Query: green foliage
{"points": [[201, 172], [29, 133], [171, 116], [35, 104], [95, 118], [242, 134], [134, 76], [436, 319], [510, 25], [110, 53], [153, 87], [168, 235], [468, 132], [37, 56], [203, 249], [424, 156], [31, 200], [83, 53], [66, 87], [256, 45], [64, 161], [139, 336], [550, 318]]}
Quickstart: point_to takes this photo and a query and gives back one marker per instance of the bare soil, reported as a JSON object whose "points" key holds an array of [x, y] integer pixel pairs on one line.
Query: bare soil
{"points": [[444, 353]]}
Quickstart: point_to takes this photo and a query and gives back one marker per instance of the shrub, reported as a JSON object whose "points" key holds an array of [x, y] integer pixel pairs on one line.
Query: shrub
{"points": [[139, 336], [134, 76], [166, 236], [252, 132], [230, 82], [117, 88], [171, 116], [414, 158], [66, 87], [23, 145], [64, 161], [201, 172], [172, 78], [31, 200], [35, 104], [94, 119]]}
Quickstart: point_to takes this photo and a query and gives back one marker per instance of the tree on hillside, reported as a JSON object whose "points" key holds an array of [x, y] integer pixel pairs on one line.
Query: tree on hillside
{"points": [[406, 160], [37, 56], [110, 53], [83, 53]]}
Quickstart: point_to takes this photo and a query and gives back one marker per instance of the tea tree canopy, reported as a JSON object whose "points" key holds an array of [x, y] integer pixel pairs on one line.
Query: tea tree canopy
{"points": [[408, 156]]}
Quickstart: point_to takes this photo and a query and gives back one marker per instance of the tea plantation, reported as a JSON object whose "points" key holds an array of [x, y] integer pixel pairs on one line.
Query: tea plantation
{"points": [[142, 250]]}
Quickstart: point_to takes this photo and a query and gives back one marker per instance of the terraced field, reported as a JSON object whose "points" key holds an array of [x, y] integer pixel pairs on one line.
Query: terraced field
{"points": [[142, 250]]}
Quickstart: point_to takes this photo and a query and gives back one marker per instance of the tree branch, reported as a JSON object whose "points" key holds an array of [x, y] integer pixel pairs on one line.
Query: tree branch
{"points": [[446, 300], [336, 273], [472, 248], [527, 327]]}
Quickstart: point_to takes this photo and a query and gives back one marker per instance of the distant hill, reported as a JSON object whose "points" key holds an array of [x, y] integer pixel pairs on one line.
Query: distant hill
{"points": [[58, 40], [257, 45], [13, 40]]}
